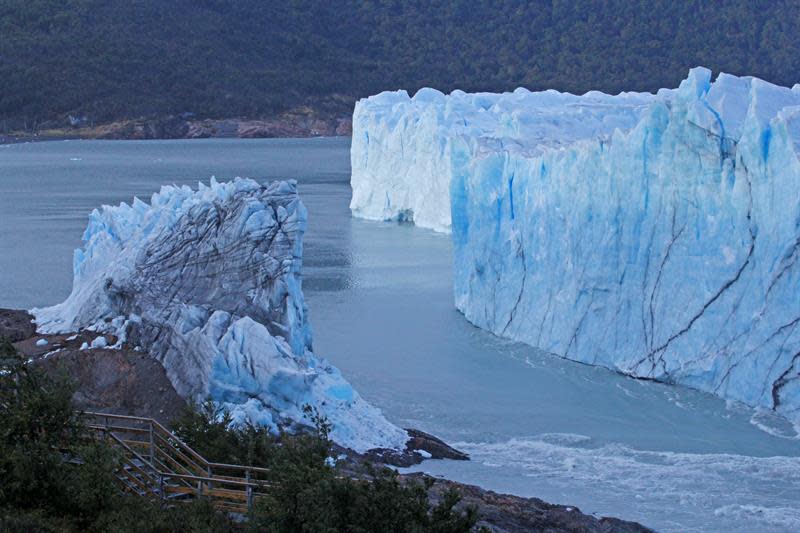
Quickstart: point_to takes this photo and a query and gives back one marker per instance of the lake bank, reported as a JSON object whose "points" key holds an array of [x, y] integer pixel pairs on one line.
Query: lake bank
{"points": [[297, 123]]}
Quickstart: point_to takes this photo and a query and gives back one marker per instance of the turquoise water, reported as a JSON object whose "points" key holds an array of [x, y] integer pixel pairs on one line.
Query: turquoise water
{"points": [[380, 296]]}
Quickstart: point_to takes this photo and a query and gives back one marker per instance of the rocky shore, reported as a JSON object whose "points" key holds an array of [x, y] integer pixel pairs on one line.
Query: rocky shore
{"points": [[298, 122], [128, 381]]}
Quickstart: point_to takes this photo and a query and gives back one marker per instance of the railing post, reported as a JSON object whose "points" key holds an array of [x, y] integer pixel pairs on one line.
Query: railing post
{"points": [[152, 447], [161, 486], [249, 491]]}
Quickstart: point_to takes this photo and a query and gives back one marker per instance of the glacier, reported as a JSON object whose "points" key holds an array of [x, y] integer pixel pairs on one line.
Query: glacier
{"points": [[402, 147], [208, 281], [657, 234]]}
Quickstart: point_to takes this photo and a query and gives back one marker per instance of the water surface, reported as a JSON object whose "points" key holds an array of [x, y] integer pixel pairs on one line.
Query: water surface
{"points": [[381, 308]]}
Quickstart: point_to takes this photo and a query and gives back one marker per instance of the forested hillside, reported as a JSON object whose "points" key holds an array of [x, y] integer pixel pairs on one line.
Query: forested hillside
{"points": [[111, 59]]}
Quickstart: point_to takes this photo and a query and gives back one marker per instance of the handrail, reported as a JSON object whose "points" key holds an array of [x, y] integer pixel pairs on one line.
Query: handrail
{"points": [[159, 426], [191, 462], [141, 470], [132, 452], [156, 474], [156, 424], [221, 481]]}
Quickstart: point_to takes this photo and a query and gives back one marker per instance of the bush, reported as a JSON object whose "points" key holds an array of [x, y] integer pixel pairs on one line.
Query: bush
{"points": [[38, 422], [307, 494], [141, 515], [379, 502], [206, 429], [55, 479]]}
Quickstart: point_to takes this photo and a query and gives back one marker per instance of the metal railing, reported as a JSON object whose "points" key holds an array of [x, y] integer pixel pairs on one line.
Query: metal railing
{"points": [[155, 462]]}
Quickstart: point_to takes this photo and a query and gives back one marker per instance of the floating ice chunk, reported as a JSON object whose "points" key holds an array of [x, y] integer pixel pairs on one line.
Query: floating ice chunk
{"points": [[99, 342], [42, 342]]}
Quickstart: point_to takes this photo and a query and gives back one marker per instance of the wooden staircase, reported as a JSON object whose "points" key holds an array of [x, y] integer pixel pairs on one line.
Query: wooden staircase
{"points": [[156, 463]]}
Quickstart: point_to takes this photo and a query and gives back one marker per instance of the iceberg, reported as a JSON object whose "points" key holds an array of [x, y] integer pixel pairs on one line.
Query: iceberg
{"points": [[208, 281], [654, 234]]}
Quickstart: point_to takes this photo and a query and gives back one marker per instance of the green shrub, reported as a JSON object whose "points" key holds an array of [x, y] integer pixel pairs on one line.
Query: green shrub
{"points": [[206, 429], [14, 520], [306, 494], [38, 422], [56, 479], [132, 514]]}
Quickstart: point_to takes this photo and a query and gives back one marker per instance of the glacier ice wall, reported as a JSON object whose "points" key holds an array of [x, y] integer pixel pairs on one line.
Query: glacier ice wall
{"points": [[665, 246], [209, 283], [402, 147]]}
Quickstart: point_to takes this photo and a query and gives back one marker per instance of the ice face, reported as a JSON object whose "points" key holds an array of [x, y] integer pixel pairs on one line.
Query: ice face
{"points": [[402, 147], [209, 282], [658, 235]]}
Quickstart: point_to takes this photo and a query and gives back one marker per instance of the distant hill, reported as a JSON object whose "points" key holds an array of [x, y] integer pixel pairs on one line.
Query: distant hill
{"points": [[114, 59]]}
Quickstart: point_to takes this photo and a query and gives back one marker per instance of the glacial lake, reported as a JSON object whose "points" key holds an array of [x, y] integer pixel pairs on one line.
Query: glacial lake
{"points": [[381, 307]]}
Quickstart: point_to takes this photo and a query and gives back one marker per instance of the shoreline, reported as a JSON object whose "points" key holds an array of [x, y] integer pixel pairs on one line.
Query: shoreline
{"points": [[300, 123], [11, 140], [17, 139]]}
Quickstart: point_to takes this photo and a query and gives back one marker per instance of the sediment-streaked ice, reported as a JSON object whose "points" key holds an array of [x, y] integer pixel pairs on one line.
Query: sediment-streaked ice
{"points": [[209, 282]]}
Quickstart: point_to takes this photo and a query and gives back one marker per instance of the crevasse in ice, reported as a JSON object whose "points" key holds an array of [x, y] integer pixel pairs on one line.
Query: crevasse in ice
{"points": [[657, 235], [209, 283]]}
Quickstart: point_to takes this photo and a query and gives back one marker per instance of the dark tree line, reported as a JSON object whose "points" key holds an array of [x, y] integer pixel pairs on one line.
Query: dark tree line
{"points": [[109, 59]]}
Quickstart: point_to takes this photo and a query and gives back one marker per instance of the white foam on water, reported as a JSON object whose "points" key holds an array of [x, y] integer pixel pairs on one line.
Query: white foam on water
{"points": [[780, 517], [703, 492], [775, 425]]}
